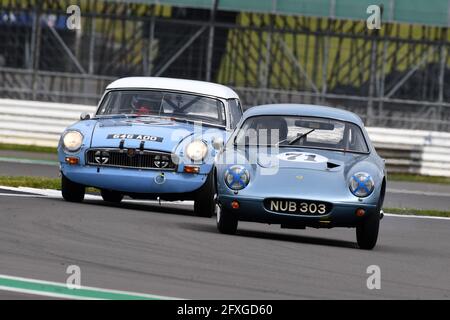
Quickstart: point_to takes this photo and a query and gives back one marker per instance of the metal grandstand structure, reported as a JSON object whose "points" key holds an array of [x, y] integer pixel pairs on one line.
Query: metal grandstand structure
{"points": [[307, 51]]}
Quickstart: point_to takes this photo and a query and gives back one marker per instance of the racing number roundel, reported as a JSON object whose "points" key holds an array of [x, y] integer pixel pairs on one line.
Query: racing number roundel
{"points": [[302, 157]]}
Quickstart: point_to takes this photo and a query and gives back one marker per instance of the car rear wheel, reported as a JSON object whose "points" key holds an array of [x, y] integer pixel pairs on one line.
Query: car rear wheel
{"points": [[227, 222], [205, 199], [111, 196], [72, 191], [367, 232]]}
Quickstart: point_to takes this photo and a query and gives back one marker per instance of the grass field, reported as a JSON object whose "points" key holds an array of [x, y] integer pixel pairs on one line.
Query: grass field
{"points": [[55, 183], [417, 212], [35, 182], [417, 178], [31, 182], [17, 147]]}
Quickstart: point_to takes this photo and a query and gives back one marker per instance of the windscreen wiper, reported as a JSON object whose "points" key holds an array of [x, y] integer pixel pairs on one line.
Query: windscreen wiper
{"points": [[297, 138]]}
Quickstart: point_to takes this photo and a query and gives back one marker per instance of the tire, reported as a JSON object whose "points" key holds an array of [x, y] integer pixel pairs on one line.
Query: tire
{"points": [[111, 196], [367, 232], [227, 222], [72, 191], [205, 198]]}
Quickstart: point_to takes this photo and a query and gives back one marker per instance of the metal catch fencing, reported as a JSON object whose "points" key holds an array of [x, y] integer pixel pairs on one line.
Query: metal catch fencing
{"points": [[305, 51]]}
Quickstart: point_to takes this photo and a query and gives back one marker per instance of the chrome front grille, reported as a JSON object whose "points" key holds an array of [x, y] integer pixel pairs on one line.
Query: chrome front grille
{"points": [[130, 158]]}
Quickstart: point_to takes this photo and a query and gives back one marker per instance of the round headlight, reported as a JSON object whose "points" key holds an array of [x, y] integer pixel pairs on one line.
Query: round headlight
{"points": [[72, 141], [196, 150], [237, 177], [361, 184]]}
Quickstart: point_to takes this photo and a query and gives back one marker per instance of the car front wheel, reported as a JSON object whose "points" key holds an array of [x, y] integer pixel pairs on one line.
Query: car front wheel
{"points": [[111, 196], [367, 232], [72, 191], [205, 199], [227, 222]]}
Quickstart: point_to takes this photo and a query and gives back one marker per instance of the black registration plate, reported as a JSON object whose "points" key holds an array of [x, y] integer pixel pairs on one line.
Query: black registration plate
{"points": [[298, 207], [140, 137]]}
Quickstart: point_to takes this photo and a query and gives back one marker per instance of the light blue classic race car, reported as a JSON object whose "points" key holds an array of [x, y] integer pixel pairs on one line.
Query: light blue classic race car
{"points": [[150, 138], [301, 166]]}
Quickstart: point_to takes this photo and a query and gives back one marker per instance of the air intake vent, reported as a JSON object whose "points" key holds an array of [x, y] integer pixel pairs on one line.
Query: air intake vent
{"points": [[331, 165]]}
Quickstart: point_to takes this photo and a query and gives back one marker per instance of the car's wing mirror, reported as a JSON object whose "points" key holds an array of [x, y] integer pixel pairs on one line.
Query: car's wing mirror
{"points": [[217, 143], [85, 116]]}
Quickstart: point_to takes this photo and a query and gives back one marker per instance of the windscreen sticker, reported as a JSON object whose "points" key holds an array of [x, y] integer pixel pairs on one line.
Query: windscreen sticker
{"points": [[302, 157], [135, 137], [152, 122]]}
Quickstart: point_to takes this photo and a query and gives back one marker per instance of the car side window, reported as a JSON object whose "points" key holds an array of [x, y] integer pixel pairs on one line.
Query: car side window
{"points": [[235, 111], [356, 141]]}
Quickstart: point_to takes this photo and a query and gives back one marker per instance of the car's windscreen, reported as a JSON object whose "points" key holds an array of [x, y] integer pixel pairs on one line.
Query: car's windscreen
{"points": [[163, 103], [306, 132]]}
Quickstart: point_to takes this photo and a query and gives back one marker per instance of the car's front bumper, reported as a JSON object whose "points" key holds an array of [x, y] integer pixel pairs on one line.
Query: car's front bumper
{"points": [[134, 181], [343, 214]]}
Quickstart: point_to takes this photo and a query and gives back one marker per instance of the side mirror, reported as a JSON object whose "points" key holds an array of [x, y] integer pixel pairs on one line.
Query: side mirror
{"points": [[217, 143], [85, 116]]}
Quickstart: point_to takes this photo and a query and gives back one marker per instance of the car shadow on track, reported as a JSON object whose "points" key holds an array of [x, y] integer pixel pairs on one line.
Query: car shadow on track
{"points": [[211, 228], [169, 209], [150, 207], [274, 236]]}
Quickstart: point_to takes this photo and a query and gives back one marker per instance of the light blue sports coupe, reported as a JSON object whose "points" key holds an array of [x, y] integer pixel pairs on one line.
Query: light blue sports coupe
{"points": [[301, 166], [150, 138]]}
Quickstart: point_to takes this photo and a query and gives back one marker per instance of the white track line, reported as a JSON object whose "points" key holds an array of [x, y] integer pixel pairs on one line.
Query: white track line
{"points": [[22, 195], [55, 194], [414, 216], [43, 294], [62, 285]]}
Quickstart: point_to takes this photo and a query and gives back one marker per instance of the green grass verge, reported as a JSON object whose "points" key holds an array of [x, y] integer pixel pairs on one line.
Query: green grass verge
{"points": [[49, 183], [17, 147], [55, 183], [417, 212], [417, 178], [31, 182], [36, 182]]}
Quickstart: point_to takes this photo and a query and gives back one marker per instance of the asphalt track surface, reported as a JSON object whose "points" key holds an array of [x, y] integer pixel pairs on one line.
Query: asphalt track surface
{"points": [[20, 296], [165, 250]]}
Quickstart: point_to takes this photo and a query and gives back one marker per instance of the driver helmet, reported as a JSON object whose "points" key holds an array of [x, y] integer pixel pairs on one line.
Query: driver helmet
{"points": [[144, 105]]}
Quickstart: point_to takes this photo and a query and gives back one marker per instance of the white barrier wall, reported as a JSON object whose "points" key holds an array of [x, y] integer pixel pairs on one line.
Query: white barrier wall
{"points": [[36, 123], [41, 123], [413, 151]]}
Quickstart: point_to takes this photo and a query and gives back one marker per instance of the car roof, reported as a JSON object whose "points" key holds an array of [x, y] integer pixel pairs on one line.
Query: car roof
{"points": [[191, 86], [306, 110]]}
